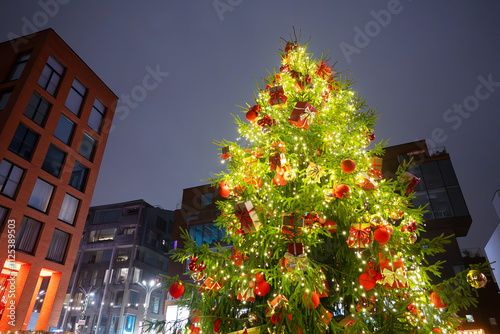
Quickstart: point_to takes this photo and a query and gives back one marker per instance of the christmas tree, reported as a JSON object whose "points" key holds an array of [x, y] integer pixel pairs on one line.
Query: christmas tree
{"points": [[318, 241]]}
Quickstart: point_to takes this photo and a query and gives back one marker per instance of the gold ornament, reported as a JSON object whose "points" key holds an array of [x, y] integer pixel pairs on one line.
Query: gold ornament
{"points": [[412, 318], [252, 317], [289, 175], [476, 279], [376, 220], [315, 172], [413, 237], [197, 276], [266, 129]]}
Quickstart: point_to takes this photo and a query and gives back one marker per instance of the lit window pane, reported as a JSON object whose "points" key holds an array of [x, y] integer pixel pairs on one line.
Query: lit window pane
{"points": [[68, 209], [41, 195]]}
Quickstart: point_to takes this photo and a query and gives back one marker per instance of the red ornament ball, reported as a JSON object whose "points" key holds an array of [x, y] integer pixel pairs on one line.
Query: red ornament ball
{"points": [[262, 288], [366, 282], [224, 189], [382, 234], [251, 115], [412, 226], [176, 290], [259, 277], [436, 300], [341, 191], [348, 166]]}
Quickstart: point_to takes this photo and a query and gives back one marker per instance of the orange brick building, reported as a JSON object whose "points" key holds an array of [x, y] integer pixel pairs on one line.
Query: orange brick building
{"points": [[55, 115]]}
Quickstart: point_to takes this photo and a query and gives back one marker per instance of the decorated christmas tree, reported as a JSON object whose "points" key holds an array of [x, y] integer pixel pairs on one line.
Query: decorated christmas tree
{"points": [[316, 240]]}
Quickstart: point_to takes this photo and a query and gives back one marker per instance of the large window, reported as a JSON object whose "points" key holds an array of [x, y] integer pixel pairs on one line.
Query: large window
{"points": [[19, 65], [121, 275], [24, 141], [438, 190], [75, 97], [68, 209], [41, 195], [54, 161], [118, 298], [155, 305], [96, 116], [107, 216], [133, 299], [64, 130], [207, 233], [27, 235], [10, 177], [79, 176], [58, 246], [87, 148], [106, 234], [3, 216], [38, 109], [51, 75], [4, 98]]}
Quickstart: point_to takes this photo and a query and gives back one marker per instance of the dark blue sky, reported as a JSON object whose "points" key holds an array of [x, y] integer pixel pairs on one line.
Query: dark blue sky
{"points": [[431, 68]]}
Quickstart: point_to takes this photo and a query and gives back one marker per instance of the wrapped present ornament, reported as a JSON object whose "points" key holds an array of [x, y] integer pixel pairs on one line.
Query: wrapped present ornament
{"points": [[303, 115], [292, 261], [210, 285], [347, 321], [247, 295], [292, 225], [376, 163], [364, 182], [295, 248], [277, 160], [413, 181], [248, 217], [279, 302], [266, 120], [225, 153], [359, 235], [323, 70], [277, 97], [393, 273]]}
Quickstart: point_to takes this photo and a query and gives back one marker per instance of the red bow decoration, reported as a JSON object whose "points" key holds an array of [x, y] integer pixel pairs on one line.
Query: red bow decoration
{"points": [[323, 70], [238, 257], [266, 120], [360, 235], [277, 95], [285, 68], [245, 220]]}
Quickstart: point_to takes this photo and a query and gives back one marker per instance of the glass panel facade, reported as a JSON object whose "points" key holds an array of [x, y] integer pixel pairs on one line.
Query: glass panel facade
{"points": [[207, 233], [438, 190]]}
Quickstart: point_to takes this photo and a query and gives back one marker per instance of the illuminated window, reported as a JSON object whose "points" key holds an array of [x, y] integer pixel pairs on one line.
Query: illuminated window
{"points": [[41, 195], [68, 209], [155, 305], [106, 234], [469, 318]]}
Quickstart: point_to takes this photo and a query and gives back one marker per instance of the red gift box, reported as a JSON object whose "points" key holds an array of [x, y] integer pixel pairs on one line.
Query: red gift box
{"points": [[393, 273], [359, 235], [295, 248], [247, 295], [225, 153], [376, 163], [302, 115], [292, 225], [348, 321], [248, 217], [277, 97], [277, 160]]}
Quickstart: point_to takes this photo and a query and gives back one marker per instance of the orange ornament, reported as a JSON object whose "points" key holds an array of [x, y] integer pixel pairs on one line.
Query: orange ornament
{"points": [[262, 288], [436, 300], [348, 166]]}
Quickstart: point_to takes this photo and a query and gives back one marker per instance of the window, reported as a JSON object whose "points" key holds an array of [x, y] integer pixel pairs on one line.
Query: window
{"points": [[129, 231], [3, 216], [51, 75], [206, 199], [64, 130], [54, 161], [27, 235], [68, 209], [137, 275], [107, 216], [58, 246], [79, 176], [10, 176], [18, 67], [37, 110], [469, 317], [118, 298], [133, 298], [24, 141], [155, 305], [75, 97], [87, 148], [41, 195], [121, 275], [97, 256], [207, 233], [4, 98], [106, 234], [96, 116], [123, 254]]}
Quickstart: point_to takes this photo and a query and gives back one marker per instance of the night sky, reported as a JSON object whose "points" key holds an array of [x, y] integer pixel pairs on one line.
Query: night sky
{"points": [[431, 68]]}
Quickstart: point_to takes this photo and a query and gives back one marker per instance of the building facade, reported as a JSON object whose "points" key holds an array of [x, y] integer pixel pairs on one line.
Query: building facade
{"points": [[55, 115], [121, 257], [492, 247]]}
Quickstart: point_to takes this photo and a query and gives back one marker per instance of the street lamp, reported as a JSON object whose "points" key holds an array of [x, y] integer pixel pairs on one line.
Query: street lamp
{"points": [[88, 294], [149, 287]]}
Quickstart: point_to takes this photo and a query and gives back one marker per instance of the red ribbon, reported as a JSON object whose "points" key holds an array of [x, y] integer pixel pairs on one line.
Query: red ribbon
{"points": [[245, 220], [323, 70], [277, 96], [359, 235], [266, 120]]}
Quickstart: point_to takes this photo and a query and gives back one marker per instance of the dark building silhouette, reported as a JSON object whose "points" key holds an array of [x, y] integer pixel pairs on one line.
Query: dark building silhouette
{"points": [[123, 246], [55, 115]]}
